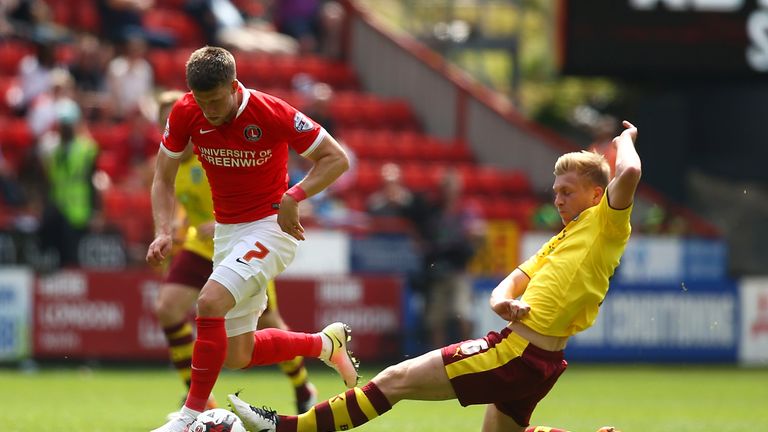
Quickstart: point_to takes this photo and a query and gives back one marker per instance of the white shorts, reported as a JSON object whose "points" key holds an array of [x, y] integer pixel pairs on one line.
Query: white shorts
{"points": [[246, 257]]}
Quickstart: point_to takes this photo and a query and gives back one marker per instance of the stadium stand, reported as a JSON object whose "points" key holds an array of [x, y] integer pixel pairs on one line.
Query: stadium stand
{"points": [[375, 128]]}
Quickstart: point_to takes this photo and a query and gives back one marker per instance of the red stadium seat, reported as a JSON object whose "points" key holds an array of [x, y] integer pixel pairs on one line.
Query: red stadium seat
{"points": [[112, 137], [115, 202], [368, 177], [11, 53], [399, 115], [517, 183], [178, 23], [420, 176]]}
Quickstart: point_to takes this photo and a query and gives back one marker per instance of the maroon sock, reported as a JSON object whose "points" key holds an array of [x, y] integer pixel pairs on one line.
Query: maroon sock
{"points": [[208, 356], [272, 346]]}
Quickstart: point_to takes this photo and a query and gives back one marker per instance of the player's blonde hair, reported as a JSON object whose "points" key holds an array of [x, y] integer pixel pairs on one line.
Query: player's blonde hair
{"points": [[587, 164], [165, 101], [167, 98], [210, 67]]}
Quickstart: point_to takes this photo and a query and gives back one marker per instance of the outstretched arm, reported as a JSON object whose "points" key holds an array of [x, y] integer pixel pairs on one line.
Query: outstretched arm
{"points": [[621, 190]]}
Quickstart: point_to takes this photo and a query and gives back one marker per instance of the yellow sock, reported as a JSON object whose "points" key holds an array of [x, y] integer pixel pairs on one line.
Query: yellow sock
{"points": [[295, 371]]}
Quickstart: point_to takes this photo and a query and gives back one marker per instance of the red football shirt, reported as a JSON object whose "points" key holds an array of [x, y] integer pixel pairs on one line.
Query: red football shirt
{"points": [[246, 159]]}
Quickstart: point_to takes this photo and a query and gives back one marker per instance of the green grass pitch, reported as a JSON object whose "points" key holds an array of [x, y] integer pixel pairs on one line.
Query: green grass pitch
{"points": [[634, 398]]}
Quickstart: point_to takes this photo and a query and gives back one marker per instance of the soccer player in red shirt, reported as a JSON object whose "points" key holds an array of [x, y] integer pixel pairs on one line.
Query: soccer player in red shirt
{"points": [[241, 137], [553, 295]]}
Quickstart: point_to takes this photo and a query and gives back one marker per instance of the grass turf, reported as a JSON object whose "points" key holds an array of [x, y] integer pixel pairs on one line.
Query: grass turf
{"points": [[634, 398]]}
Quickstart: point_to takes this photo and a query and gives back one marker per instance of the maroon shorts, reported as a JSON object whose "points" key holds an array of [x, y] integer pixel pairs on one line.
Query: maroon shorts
{"points": [[190, 269], [505, 370]]}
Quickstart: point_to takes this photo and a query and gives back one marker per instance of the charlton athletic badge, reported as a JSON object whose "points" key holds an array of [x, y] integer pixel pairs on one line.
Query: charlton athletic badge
{"points": [[252, 133]]}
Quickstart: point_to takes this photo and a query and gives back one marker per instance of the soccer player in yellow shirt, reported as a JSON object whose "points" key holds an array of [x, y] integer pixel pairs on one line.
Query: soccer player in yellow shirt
{"points": [[553, 295], [191, 268]]}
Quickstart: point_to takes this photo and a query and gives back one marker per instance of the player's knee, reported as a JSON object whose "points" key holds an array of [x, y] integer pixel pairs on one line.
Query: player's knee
{"points": [[393, 381], [166, 313], [209, 305]]}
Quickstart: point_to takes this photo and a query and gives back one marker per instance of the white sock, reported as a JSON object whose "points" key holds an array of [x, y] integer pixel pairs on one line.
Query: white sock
{"points": [[189, 412], [327, 349]]}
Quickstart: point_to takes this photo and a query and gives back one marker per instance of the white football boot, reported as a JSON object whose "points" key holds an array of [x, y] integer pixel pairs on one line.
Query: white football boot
{"points": [[338, 356], [254, 419]]}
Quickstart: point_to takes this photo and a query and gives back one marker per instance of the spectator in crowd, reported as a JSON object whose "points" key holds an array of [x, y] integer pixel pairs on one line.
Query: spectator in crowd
{"points": [[223, 24], [30, 20], [34, 76], [318, 97], [315, 24], [130, 81], [122, 20], [394, 198], [88, 68], [42, 113], [11, 193], [68, 155], [452, 234]]}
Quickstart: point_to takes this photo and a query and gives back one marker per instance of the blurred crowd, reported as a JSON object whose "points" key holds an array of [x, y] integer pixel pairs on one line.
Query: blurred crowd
{"points": [[80, 98], [84, 90]]}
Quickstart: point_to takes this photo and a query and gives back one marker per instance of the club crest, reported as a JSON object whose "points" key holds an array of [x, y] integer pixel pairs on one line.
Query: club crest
{"points": [[252, 133]]}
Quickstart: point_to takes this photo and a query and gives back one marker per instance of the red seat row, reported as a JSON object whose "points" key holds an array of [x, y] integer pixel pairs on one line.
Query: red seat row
{"points": [[426, 176], [259, 71], [385, 145]]}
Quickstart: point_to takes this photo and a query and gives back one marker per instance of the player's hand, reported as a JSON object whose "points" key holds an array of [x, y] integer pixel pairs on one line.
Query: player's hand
{"points": [[511, 310], [159, 249], [288, 218], [630, 131]]}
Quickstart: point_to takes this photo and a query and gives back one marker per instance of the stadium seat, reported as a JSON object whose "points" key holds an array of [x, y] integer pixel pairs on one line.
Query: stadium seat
{"points": [[176, 22], [111, 136], [11, 53], [368, 177], [517, 183], [421, 176], [399, 115]]}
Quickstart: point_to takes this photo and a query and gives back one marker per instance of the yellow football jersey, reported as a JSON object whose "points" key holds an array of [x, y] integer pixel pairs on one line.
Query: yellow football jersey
{"points": [[570, 273], [194, 194]]}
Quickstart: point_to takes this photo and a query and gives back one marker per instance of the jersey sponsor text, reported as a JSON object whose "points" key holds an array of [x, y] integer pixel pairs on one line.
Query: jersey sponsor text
{"points": [[235, 158]]}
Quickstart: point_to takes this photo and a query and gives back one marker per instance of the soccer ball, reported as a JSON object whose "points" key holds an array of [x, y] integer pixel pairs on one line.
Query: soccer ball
{"points": [[217, 420]]}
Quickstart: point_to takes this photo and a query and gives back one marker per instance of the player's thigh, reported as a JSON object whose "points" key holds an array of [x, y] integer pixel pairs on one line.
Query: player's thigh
{"points": [[420, 378], [271, 318], [497, 421]]}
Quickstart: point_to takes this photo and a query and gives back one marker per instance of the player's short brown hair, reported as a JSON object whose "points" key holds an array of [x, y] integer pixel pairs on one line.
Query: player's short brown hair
{"points": [[590, 165], [210, 67]]}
